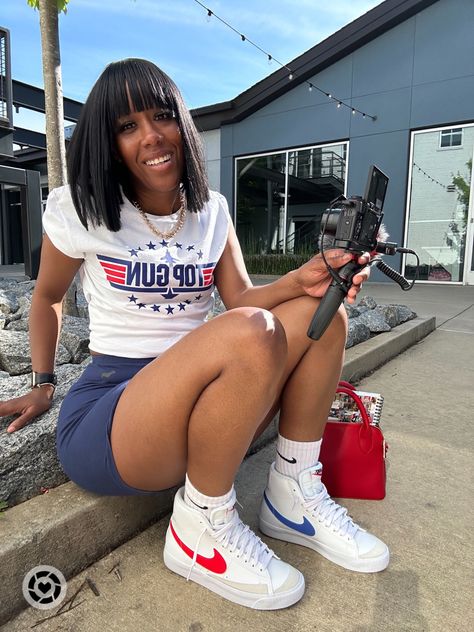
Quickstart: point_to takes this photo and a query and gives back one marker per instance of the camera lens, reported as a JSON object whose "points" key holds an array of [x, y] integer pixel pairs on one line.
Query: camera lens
{"points": [[329, 220]]}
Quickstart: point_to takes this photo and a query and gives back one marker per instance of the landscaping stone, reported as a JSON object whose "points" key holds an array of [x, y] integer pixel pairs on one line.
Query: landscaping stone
{"points": [[357, 333]]}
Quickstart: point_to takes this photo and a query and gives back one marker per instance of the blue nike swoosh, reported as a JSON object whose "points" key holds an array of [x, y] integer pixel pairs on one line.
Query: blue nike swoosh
{"points": [[304, 527]]}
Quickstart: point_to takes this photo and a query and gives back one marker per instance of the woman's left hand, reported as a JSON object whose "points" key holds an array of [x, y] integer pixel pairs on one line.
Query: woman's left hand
{"points": [[314, 279]]}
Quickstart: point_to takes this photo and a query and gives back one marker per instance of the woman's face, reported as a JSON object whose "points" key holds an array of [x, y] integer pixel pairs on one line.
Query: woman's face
{"points": [[151, 147]]}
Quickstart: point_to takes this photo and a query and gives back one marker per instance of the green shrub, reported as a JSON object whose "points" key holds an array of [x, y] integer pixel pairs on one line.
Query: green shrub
{"points": [[274, 264]]}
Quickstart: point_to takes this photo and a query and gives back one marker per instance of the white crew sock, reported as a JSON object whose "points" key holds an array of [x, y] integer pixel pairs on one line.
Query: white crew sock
{"points": [[295, 456], [205, 504]]}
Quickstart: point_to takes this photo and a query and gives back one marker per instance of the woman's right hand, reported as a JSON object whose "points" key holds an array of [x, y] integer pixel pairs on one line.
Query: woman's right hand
{"points": [[28, 406]]}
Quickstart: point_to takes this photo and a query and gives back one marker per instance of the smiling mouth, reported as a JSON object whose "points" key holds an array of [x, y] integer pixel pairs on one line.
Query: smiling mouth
{"points": [[158, 161]]}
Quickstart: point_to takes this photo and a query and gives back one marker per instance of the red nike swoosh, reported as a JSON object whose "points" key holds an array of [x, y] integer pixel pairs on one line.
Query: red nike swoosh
{"points": [[215, 564]]}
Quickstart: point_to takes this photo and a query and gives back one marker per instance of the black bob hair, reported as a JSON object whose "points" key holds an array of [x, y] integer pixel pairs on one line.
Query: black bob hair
{"points": [[94, 172]]}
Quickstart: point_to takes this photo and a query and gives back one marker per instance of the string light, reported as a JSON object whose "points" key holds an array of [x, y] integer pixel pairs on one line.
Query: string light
{"points": [[291, 73], [427, 175]]}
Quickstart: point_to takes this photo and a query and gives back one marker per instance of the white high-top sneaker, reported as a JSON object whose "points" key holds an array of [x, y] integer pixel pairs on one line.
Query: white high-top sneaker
{"points": [[305, 514], [227, 557]]}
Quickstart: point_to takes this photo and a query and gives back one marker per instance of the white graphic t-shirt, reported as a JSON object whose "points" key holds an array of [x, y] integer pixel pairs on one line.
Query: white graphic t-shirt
{"points": [[144, 292]]}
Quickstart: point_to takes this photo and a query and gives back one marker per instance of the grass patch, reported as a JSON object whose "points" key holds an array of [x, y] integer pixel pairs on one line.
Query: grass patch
{"points": [[274, 264]]}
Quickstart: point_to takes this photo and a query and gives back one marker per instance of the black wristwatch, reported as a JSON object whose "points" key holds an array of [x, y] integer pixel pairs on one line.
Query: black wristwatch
{"points": [[42, 379]]}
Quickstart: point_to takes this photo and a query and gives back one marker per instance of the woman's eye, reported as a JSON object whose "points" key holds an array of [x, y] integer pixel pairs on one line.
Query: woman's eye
{"points": [[124, 127], [167, 115]]}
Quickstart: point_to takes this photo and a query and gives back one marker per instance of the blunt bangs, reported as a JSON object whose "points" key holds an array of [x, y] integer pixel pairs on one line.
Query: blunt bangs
{"points": [[95, 174], [142, 86]]}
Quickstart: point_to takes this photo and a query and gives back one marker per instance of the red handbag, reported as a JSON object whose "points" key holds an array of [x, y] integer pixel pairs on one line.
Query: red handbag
{"points": [[353, 455]]}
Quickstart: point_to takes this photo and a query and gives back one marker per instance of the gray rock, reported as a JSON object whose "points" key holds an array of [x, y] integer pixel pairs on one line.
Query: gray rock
{"points": [[24, 303], [352, 312], [8, 302], [389, 313], [21, 324], [358, 332], [404, 313], [29, 459], [82, 307], [15, 353], [374, 321], [362, 308], [75, 337], [368, 301]]}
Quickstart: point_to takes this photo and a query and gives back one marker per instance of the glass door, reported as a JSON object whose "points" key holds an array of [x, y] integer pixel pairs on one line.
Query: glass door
{"points": [[469, 268], [439, 226]]}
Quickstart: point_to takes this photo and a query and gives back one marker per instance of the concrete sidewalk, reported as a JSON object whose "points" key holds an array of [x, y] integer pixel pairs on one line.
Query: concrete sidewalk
{"points": [[426, 517]]}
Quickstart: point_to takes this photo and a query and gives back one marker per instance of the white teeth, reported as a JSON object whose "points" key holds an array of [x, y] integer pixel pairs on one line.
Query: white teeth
{"points": [[158, 161]]}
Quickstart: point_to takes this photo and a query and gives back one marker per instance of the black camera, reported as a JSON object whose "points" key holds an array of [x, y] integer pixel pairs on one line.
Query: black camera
{"points": [[354, 224]]}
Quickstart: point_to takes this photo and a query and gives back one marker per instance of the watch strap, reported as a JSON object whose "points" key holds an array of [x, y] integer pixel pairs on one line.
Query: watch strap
{"points": [[38, 379]]}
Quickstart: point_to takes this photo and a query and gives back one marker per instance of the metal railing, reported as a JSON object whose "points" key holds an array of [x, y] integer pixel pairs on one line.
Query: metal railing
{"points": [[313, 164]]}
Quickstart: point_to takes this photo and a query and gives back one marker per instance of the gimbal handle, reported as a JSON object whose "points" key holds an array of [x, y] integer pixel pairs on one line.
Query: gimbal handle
{"points": [[335, 294]]}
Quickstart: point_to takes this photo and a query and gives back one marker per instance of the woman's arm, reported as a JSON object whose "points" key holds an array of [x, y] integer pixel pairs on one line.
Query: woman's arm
{"points": [[312, 278], [55, 276]]}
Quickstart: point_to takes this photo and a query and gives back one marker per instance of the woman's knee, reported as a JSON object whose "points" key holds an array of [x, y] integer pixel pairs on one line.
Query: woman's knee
{"points": [[258, 332]]}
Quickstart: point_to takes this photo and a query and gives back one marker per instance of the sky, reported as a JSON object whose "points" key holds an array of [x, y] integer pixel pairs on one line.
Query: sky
{"points": [[206, 59]]}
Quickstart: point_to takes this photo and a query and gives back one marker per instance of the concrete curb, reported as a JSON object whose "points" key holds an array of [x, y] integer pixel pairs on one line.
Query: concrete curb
{"points": [[69, 528]]}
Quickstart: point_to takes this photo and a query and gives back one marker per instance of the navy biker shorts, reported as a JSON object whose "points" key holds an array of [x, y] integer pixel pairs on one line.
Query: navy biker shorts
{"points": [[85, 422]]}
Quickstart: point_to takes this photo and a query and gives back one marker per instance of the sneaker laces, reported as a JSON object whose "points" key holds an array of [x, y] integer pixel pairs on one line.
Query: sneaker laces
{"points": [[323, 507], [239, 537], [234, 535]]}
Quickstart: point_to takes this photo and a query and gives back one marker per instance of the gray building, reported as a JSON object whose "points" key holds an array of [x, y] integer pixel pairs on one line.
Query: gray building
{"points": [[283, 149]]}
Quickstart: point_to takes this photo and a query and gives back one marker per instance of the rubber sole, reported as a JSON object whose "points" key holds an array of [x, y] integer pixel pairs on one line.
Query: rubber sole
{"points": [[372, 565], [250, 600]]}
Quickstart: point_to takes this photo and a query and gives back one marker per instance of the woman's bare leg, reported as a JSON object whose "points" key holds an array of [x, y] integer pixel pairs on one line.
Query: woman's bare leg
{"points": [[311, 373], [196, 408]]}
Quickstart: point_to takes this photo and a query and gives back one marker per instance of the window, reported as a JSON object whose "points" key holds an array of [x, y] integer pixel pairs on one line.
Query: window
{"points": [[439, 203], [282, 196], [450, 137]]}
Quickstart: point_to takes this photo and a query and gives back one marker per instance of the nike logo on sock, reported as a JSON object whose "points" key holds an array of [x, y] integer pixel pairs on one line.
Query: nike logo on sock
{"points": [[304, 527], [200, 506], [292, 460], [215, 564]]}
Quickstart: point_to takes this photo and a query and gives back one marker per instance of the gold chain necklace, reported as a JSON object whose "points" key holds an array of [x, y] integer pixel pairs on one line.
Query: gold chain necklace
{"points": [[177, 227]]}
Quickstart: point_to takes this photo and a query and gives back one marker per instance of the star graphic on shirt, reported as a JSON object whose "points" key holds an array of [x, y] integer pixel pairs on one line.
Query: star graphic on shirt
{"points": [[169, 309], [189, 248], [155, 308], [133, 252], [132, 299], [198, 297], [182, 307], [140, 305], [179, 245], [151, 246], [163, 243], [200, 254], [188, 301]]}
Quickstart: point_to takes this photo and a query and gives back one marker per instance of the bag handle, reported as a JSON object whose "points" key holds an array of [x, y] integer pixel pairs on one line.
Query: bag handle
{"points": [[365, 428], [346, 385], [360, 405]]}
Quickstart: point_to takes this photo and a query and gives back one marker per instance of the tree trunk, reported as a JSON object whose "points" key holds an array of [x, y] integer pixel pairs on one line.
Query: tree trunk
{"points": [[53, 93], [53, 97]]}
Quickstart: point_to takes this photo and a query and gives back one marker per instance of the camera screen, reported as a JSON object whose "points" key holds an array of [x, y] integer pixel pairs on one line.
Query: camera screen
{"points": [[376, 187]]}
